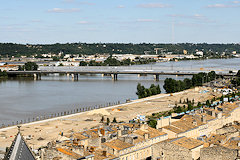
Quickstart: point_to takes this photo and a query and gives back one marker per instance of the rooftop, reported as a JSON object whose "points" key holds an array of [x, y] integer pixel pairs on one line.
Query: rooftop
{"points": [[152, 132], [118, 144], [216, 139], [188, 143]]}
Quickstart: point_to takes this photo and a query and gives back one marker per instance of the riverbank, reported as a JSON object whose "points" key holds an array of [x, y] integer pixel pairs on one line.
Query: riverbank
{"points": [[41, 132]]}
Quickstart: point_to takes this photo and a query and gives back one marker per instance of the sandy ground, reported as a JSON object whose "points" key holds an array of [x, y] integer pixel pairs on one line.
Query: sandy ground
{"points": [[49, 130]]}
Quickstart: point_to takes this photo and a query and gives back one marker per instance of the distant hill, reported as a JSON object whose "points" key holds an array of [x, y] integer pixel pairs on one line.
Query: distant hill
{"points": [[17, 50]]}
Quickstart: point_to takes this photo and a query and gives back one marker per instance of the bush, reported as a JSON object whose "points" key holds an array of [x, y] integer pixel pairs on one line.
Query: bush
{"points": [[143, 92]]}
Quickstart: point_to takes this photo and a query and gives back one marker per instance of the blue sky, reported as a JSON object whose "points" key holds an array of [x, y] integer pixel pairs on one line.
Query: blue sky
{"points": [[124, 21]]}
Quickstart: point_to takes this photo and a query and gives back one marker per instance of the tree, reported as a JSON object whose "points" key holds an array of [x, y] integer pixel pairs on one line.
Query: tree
{"points": [[102, 119], [178, 109], [114, 120], [3, 73], [158, 89], [60, 64], [140, 91], [143, 92], [212, 75], [126, 62], [112, 61], [190, 107], [208, 103], [83, 63], [148, 92], [188, 83], [152, 123], [55, 58], [169, 85], [199, 104], [108, 121], [238, 73], [29, 66]]}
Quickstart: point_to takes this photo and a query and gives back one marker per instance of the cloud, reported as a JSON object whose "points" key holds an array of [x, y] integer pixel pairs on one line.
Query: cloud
{"points": [[87, 3], [77, 2], [68, 1], [83, 22], [224, 5], [154, 5], [121, 6], [35, 21], [145, 20], [196, 16], [60, 10], [236, 2]]}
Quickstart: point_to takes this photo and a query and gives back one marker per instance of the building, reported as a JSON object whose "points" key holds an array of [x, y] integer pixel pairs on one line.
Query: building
{"points": [[136, 145], [19, 149], [181, 148], [218, 152], [201, 122]]}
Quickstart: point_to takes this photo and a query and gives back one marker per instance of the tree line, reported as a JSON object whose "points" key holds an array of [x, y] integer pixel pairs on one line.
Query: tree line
{"points": [[171, 85], [110, 61], [143, 92], [17, 50]]}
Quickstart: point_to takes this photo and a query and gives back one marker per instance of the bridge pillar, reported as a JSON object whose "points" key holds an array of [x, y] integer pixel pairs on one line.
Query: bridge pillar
{"points": [[114, 76], [75, 77], [142, 74], [156, 77], [106, 74], [37, 76]]}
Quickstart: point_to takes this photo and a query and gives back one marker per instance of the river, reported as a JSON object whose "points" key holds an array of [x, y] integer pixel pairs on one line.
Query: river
{"points": [[25, 98]]}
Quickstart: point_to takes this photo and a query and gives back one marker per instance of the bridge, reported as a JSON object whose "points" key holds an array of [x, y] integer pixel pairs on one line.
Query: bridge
{"points": [[111, 72]]}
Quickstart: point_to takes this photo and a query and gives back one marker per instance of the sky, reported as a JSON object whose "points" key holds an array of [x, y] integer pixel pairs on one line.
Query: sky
{"points": [[119, 21]]}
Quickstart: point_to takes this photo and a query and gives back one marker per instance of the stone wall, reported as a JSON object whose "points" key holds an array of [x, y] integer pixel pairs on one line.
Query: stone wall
{"points": [[96, 142], [168, 151], [218, 152]]}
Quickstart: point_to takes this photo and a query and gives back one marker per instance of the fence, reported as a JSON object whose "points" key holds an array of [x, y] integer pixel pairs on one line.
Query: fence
{"points": [[59, 114]]}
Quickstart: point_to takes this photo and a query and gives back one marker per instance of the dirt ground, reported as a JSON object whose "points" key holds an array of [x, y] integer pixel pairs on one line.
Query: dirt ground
{"points": [[41, 132]]}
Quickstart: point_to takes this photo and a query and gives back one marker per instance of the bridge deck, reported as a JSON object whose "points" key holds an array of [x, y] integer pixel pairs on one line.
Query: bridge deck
{"points": [[150, 72]]}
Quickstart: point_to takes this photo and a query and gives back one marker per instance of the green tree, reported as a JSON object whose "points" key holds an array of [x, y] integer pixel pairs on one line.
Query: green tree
{"points": [[55, 58], [60, 64], [178, 109], [112, 61], [140, 91], [152, 123], [158, 89], [114, 120], [108, 121], [30, 66], [212, 75], [188, 83], [83, 63], [3, 73], [102, 119], [126, 62], [208, 103], [190, 107], [238, 73], [199, 104], [169, 85]]}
